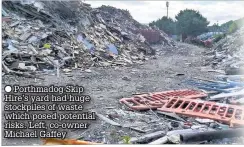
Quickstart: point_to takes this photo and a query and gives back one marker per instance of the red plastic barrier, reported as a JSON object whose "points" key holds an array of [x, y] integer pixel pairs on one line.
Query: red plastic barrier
{"points": [[229, 114], [184, 102], [157, 99]]}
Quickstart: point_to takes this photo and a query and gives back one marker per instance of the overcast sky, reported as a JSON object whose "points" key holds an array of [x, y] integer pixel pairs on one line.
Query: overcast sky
{"points": [[147, 11]]}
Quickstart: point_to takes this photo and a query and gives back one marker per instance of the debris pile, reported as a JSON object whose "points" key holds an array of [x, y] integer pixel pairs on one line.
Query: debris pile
{"points": [[130, 27], [58, 34], [193, 115], [180, 102], [227, 54], [126, 24]]}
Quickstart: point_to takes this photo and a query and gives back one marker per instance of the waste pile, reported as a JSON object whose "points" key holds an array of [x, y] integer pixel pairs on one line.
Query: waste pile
{"points": [[209, 35], [131, 27], [46, 35], [213, 110], [195, 41], [206, 39], [227, 54]]}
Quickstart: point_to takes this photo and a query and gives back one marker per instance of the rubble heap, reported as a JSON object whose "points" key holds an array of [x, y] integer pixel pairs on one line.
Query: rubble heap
{"points": [[228, 52], [123, 19], [127, 25], [57, 34]]}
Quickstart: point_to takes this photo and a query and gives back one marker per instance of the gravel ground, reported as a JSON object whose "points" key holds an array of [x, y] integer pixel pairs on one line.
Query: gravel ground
{"points": [[107, 85]]}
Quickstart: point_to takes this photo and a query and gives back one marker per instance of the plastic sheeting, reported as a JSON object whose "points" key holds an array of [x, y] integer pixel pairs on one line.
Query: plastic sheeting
{"points": [[112, 48], [90, 46]]}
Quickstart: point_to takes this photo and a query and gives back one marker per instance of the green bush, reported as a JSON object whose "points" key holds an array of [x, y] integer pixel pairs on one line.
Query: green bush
{"points": [[218, 37], [233, 27]]}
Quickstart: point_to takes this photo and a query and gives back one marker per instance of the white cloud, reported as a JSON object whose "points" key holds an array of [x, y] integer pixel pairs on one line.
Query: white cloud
{"points": [[147, 11]]}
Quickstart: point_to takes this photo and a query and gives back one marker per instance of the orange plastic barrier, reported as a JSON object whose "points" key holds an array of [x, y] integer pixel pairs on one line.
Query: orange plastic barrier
{"points": [[229, 114], [182, 102], [139, 103], [157, 99], [185, 93]]}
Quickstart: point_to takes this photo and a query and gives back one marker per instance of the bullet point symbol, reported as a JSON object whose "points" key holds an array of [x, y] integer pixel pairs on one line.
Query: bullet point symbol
{"points": [[8, 88]]}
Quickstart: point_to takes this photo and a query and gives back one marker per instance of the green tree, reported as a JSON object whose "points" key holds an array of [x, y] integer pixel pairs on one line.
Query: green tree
{"points": [[214, 28], [165, 24], [233, 27], [191, 22], [230, 26], [225, 26]]}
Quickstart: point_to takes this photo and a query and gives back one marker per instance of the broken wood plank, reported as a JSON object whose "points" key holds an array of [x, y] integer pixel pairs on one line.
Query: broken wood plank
{"points": [[117, 124], [57, 68], [224, 95], [218, 71], [30, 12], [32, 49], [240, 101], [24, 74], [140, 93], [14, 23], [136, 129], [107, 120], [231, 77], [162, 140], [173, 115], [147, 137], [210, 92], [25, 36], [109, 107]]}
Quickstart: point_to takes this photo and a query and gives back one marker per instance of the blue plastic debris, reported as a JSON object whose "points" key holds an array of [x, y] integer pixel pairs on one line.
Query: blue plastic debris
{"points": [[236, 84], [112, 48], [214, 89], [90, 46], [220, 87], [87, 44], [10, 45], [208, 35], [213, 85], [79, 38]]}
